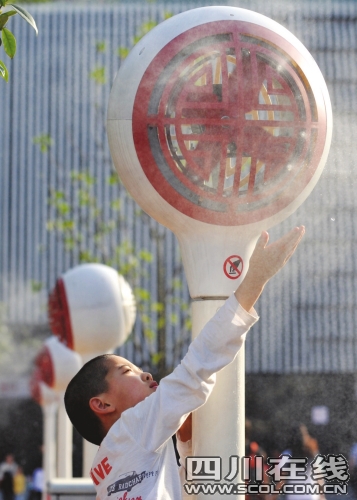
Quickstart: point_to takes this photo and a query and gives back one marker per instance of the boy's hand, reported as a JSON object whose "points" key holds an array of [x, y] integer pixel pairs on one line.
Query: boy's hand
{"points": [[266, 260]]}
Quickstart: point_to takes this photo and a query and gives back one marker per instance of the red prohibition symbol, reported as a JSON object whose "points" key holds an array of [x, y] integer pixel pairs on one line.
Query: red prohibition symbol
{"points": [[233, 267]]}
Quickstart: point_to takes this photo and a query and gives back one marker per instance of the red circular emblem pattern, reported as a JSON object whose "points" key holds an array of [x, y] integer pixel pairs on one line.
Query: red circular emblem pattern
{"points": [[225, 124]]}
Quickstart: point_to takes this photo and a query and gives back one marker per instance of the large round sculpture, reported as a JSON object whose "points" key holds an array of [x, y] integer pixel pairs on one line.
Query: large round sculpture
{"points": [[219, 119], [219, 124]]}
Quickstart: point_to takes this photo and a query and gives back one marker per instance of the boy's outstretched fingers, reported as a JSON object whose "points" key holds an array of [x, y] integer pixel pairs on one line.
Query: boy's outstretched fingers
{"points": [[263, 239], [293, 239], [266, 260], [288, 243]]}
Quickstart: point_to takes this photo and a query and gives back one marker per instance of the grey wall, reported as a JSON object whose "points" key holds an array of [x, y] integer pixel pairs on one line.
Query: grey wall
{"points": [[308, 313]]}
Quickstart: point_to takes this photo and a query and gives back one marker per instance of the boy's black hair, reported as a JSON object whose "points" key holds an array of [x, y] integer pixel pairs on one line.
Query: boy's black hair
{"points": [[86, 384]]}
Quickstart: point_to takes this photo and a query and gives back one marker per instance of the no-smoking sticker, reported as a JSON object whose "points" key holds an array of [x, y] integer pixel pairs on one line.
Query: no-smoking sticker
{"points": [[233, 267]]}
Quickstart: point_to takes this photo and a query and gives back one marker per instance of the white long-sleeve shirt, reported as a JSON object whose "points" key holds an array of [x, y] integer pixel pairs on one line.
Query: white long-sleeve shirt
{"points": [[136, 459]]}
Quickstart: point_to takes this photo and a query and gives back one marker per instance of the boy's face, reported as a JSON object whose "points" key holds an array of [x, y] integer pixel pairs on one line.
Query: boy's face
{"points": [[127, 384]]}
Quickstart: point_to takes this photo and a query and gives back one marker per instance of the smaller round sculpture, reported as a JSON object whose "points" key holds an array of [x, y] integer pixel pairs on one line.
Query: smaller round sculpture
{"points": [[92, 309], [57, 364]]}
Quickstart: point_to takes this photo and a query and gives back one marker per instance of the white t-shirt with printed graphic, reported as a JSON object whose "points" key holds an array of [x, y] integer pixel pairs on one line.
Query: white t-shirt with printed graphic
{"points": [[136, 459]]}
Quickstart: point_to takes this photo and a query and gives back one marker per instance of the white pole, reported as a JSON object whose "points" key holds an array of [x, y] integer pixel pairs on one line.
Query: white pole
{"points": [[218, 426], [49, 439], [64, 442], [89, 451]]}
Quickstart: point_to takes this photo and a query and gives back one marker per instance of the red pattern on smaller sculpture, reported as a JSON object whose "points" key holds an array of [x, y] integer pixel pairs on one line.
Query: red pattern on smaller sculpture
{"points": [[59, 314]]}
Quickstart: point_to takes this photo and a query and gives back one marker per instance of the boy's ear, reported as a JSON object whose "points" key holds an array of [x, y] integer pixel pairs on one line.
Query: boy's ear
{"points": [[100, 406]]}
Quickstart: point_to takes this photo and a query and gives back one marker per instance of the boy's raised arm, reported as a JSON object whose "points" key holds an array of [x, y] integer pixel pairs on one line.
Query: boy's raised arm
{"points": [[153, 421], [266, 260]]}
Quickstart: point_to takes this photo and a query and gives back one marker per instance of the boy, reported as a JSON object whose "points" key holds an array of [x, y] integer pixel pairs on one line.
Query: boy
{"points": [[112, 403]]}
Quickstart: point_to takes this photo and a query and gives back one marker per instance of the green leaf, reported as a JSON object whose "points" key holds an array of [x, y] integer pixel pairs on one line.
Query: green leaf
{"points": [[156, 358], [85, 256], [5, 17], [161, 323], [116, 204], [83, 177], [98, 75], [174, 319], [144, 29], [149, 334], [4, 72], [157, 307], [100, 46], [126, 248], [59, 195], [113, 179], [45, 141], [25, 15], [108, 227], [9, 42], [176, 284], [85, 199], [88, 179], [148, 26], [123, 52], [36, 286], [145, 256], [69, 243], [145, 319], [62, 208], [142, 294], [76, 176], [96, 212], [188, 324], [68, 225]]}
